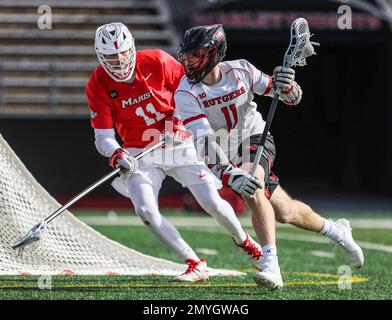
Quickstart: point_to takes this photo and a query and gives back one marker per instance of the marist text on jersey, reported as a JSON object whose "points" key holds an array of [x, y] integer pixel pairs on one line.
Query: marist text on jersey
{"points": [[132, 101]]}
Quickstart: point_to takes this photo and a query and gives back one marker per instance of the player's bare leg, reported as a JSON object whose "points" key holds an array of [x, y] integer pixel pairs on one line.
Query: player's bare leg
{"points": [[299, 214], [263, 220], [263, 216]]}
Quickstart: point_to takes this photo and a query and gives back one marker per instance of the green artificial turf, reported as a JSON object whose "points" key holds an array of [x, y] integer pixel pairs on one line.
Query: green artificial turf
{"points": [[306, 276]]}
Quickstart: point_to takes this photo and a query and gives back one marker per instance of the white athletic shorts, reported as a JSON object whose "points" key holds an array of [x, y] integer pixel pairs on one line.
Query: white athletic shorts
{"points": [[180, 163]]}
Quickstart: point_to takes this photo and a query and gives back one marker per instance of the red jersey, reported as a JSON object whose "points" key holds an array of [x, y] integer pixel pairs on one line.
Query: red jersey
{"points": [[139, 105]]}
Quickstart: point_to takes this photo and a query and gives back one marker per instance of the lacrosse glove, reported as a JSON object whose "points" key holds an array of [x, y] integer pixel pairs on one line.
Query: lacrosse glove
{"points": [[240, 181], [283, 78], [121, 158]]}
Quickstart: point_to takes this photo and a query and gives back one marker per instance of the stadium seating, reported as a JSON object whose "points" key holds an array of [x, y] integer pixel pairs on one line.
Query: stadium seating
{"points": [[43, 71]]}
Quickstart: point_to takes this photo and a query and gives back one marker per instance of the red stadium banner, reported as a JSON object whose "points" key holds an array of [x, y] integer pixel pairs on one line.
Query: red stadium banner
{"points": [[280, 20]]}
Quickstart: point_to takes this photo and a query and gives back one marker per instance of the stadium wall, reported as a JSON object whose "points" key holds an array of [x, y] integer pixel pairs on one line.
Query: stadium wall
{"points": [[313, 154]]}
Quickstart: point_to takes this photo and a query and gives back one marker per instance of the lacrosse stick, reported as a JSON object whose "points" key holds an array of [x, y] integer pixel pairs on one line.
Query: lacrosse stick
{"points": [[299, 49], [37, 231]]}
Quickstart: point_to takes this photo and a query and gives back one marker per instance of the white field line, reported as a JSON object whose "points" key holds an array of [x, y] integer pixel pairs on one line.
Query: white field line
{"points": [[208, 224], [320, 239], [207, 251], [204, 221], [311, 238], [322, 254]]}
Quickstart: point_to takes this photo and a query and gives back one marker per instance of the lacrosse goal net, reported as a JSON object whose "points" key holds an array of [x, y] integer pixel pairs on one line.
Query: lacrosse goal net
{"points": [[69, 246]]}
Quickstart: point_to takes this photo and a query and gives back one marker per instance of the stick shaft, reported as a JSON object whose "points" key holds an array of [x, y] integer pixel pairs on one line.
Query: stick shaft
{"points": [[81, 195], [97, 184], [271, 113], [264, 135]]}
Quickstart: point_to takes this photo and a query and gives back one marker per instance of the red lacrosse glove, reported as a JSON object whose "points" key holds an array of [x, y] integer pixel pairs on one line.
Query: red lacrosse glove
{"points": [[121, 158], [175, 132]]}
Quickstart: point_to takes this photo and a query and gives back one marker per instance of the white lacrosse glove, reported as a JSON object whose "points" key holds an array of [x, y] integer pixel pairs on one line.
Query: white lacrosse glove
{"points": [[121, 158], [240, 181], [283, 78]]}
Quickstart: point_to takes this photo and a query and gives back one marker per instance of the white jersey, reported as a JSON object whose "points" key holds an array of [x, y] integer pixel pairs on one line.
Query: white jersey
{"points": [[226, 108]]}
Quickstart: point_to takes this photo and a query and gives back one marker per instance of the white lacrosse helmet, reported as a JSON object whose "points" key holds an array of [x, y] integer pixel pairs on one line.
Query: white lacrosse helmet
{"points": [[115, 48]]}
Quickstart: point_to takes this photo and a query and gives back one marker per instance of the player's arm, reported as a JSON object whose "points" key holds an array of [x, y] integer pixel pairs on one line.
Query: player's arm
{"points": [[282, 78], [194, 120], [207, 148], [105, 140]]}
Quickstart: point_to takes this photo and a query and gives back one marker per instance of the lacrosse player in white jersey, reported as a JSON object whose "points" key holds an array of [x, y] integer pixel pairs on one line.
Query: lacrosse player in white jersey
{"points": [[216, 98]]}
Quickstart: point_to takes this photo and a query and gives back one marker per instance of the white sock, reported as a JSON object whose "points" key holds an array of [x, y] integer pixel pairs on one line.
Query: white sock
{"points": [[270, 256], [210, 200], [226, 217], [239, 237], [331, 230], [170, 236], [269, 250], [144, 199], [185, 252]]}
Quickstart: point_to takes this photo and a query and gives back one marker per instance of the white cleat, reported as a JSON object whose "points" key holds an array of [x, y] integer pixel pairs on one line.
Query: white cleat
{"points": [[351, 248], [252, 250], [197, 271], [269, 276]]}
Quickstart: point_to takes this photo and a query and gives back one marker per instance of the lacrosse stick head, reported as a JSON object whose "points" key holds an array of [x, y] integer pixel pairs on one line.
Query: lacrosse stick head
{"points": [[33, 235], [300, 46]]}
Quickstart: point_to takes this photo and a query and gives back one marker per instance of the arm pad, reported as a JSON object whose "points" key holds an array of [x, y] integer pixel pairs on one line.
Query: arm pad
{"points": [[105, 141]]}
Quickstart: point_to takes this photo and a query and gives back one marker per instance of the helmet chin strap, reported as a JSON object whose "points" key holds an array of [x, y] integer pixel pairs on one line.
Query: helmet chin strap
{"points": [[206, 73], [213, 77], [112, 75]]}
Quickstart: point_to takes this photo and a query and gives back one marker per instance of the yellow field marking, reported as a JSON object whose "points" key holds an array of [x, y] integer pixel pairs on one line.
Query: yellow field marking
{"points": [[325, 275], [300, 283], [315, 274], [193, 285]]}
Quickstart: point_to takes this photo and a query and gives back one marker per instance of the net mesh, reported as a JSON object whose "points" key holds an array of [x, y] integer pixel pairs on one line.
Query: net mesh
{"points": [[300, 45], [69, 245]]}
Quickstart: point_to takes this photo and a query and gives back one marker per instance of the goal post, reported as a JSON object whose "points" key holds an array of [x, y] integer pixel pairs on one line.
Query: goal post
{"points": [[69, 244]]}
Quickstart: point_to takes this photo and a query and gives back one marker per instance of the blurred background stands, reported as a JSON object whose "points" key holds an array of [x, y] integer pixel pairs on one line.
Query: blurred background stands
{"points": [[43, 72]]}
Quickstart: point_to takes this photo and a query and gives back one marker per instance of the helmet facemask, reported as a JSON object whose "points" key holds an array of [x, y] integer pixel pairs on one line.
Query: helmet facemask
{"points": [[119, 66], [203, 47], [198, 63]]}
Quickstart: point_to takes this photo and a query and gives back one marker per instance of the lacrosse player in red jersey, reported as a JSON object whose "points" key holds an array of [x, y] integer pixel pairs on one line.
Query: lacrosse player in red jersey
{"points": [[134, 93], [217, 97]]}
